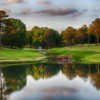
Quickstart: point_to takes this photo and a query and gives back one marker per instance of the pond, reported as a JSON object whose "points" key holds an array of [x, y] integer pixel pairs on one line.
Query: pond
{"points": [[43, 81]]}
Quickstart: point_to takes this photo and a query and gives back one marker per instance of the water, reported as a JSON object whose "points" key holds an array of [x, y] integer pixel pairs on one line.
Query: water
{"points": [[42, 81]]}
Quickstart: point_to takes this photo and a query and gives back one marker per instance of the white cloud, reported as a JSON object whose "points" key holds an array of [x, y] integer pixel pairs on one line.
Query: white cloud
{"points": [[14, 1], [45, 2]]}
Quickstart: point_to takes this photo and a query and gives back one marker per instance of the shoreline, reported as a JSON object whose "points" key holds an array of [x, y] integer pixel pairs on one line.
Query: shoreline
{"points": [[22, 61]]}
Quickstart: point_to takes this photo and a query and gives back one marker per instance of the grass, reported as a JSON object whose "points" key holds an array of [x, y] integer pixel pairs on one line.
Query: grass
{"points": [[19, 54], [86, 54]]}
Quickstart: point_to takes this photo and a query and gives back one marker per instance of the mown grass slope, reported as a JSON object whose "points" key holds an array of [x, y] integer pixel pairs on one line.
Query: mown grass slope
{"points": [[19, 54], [81, 54]]}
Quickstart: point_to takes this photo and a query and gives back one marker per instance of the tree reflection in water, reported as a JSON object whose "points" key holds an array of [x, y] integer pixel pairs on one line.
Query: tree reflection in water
{"points": [[43, 71], [15, 76], [2, 86], [83, 71]]}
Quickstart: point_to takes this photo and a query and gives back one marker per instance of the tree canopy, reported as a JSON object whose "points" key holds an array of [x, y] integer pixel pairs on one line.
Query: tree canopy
{"points": [[94, 29], [43, 36], [69, 36], [15, 33]]}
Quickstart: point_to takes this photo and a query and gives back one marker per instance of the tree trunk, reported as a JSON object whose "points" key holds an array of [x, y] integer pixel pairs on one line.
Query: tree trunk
{"points": [[89, 68], [88, 39], [0, 42], [98, 67], [97, 39]]}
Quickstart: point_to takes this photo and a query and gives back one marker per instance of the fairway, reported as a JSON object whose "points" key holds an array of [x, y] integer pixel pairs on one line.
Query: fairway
{"points": [[19, 54], [81, 54]]}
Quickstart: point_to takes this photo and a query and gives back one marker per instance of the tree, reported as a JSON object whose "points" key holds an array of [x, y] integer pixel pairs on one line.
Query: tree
{"points": [[29, 36], [37, 35], [69, 36], [15, 33], [43, 37], [51, 38], [82, 34], [2, 24], [94, 29]]}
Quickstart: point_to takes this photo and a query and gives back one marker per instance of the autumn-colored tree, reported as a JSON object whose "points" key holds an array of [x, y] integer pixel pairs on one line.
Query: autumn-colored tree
{"points": [[51, 38], [69, 36], [94, 29], [38, 36], [39, 40], [82, 34], [15, 33]]}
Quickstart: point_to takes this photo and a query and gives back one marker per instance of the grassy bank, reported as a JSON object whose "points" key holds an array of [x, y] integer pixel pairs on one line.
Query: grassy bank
{"points": [[86, 54], [81, 54], [19, 55]]}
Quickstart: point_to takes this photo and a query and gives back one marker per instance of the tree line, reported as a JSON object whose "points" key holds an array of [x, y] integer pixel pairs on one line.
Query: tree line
{"points": [[13, 34]]}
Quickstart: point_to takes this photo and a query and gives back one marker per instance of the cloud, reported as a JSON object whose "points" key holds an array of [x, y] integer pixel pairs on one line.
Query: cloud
{"points": [[44, 2], [14, 1], [58, 12], [6, 10], [51, 12], [26, 11]]}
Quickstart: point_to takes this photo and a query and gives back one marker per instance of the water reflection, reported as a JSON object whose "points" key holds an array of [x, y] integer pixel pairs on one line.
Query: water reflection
{"points": [[43, 71], [51, 82], [15, 78]]}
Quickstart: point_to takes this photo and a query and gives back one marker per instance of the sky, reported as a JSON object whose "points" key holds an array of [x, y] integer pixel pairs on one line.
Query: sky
{"points": [[57, 14]]}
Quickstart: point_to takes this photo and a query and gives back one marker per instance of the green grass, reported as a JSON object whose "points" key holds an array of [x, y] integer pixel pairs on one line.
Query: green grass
{"points": [[87, 54], [18, 54]]}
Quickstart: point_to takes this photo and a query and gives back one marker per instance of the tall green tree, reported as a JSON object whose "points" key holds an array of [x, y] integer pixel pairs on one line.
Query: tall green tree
{"points": [[3, 15], [29, 36], [15, 33], [38, 39]]}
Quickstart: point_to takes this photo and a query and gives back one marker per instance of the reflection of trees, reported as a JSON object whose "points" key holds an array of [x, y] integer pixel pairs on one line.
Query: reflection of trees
{"points": [[73, 70], [15, 77], [69, 70], [95, 78], [44, 70], [1, 85], [83, 71]]}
